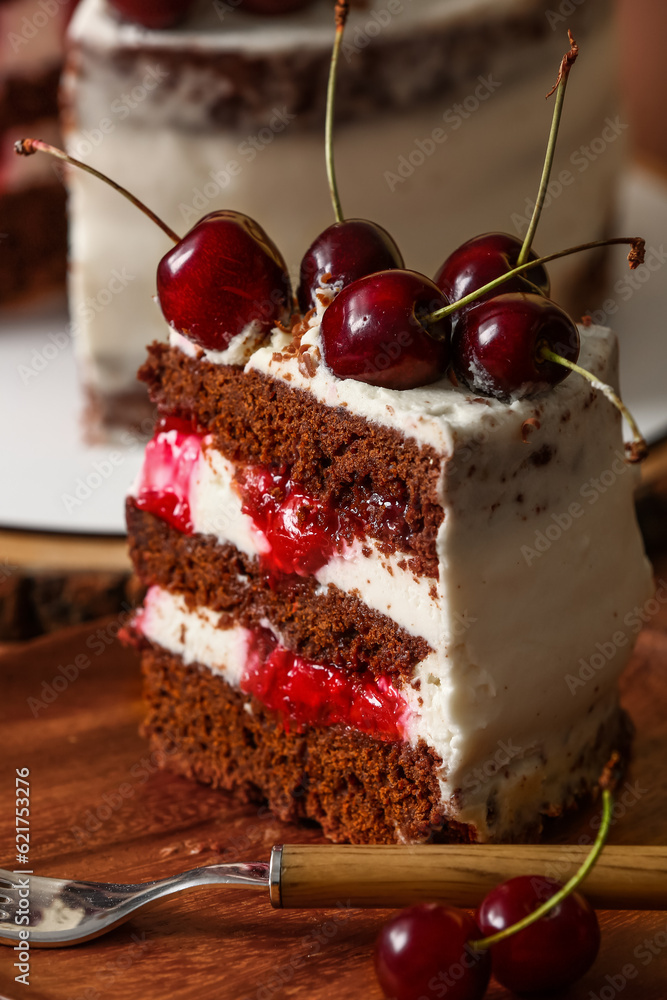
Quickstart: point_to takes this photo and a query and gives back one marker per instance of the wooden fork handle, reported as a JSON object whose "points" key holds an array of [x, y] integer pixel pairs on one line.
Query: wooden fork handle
{"points": [[624, 878]]}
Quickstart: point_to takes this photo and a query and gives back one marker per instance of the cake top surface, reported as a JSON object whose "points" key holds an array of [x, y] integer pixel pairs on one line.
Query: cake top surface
{"points": [[438, 414]]}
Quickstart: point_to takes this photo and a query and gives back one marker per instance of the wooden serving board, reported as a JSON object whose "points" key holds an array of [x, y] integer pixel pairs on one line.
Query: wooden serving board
{"points": [[101, 809]]}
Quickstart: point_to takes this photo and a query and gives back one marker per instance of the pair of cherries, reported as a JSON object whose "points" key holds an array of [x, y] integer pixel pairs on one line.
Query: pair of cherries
{"points": [[428, 949], [226, 273]]}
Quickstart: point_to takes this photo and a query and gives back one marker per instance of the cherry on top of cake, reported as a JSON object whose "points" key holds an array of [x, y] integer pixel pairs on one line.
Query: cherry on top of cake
{"points": [[487, 318]]}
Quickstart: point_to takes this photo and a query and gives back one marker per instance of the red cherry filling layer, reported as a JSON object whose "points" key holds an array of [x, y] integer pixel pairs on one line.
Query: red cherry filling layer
{"points": [[303, 532], [300, 691], [166, 476], [300, 532], [305, 693]]}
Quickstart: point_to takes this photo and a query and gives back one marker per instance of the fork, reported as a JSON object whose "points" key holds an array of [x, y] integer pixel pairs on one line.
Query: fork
{"points": [[57, 912]]}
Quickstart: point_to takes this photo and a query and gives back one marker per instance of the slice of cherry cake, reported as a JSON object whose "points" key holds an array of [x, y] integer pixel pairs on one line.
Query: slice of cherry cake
{"points": [[401, 613]]}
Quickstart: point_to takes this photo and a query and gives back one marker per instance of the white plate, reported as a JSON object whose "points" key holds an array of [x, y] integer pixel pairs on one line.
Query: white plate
{"points": [[636, 304], [53, 481]]}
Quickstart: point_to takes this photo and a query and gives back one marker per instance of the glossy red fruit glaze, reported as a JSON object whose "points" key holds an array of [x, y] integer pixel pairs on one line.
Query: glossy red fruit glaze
{"points": [[164, 481], [222, 275], [305, 693], [422, 952], [345, 252], [273, 7], [301, 532], [495, 345], [372, 331], [554, 951], [153, 13], [483, 259]]}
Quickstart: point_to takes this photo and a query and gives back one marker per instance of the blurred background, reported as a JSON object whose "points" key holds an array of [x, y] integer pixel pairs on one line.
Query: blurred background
{"points": [[441, 131]]}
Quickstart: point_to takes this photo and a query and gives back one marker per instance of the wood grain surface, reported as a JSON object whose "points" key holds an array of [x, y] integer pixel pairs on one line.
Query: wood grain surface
{"points": [[102, 809]]}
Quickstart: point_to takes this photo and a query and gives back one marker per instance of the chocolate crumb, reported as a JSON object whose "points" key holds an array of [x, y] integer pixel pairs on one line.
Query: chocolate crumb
{"points": [[307, 365], [530, 422]]}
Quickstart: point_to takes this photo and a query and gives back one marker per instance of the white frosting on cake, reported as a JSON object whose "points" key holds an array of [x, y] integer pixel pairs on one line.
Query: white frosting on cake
{"points": [[540, 563], [445, 199], [194, 635], [238, 351]]}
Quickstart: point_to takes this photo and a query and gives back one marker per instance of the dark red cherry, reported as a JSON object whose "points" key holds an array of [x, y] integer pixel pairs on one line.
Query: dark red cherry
{"points": [[422, 952], [346, 251], [483, 259], [551, 953], [496, 342], [153, 13], [273, 7], [222, 275], [373, 331]]}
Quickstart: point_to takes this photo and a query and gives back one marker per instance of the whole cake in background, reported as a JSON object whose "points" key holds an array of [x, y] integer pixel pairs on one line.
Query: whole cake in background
{"points": [[33, 241], [226, 110]]}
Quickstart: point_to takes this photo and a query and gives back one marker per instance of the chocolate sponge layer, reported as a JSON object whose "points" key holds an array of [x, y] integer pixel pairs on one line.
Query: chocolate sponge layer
{"points": [[360, 789]]}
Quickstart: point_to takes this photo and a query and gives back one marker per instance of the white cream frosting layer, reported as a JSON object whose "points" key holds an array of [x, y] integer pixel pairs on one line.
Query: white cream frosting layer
{"points": [[238, 352], [194, 635], [280, 180], [540, 567]]}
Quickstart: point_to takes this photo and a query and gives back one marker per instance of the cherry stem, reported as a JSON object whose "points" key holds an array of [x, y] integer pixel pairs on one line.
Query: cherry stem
{"points": [[342, 10], [635, 258], [481, 944], [561, 83], [637, 449], [26, 147]]}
